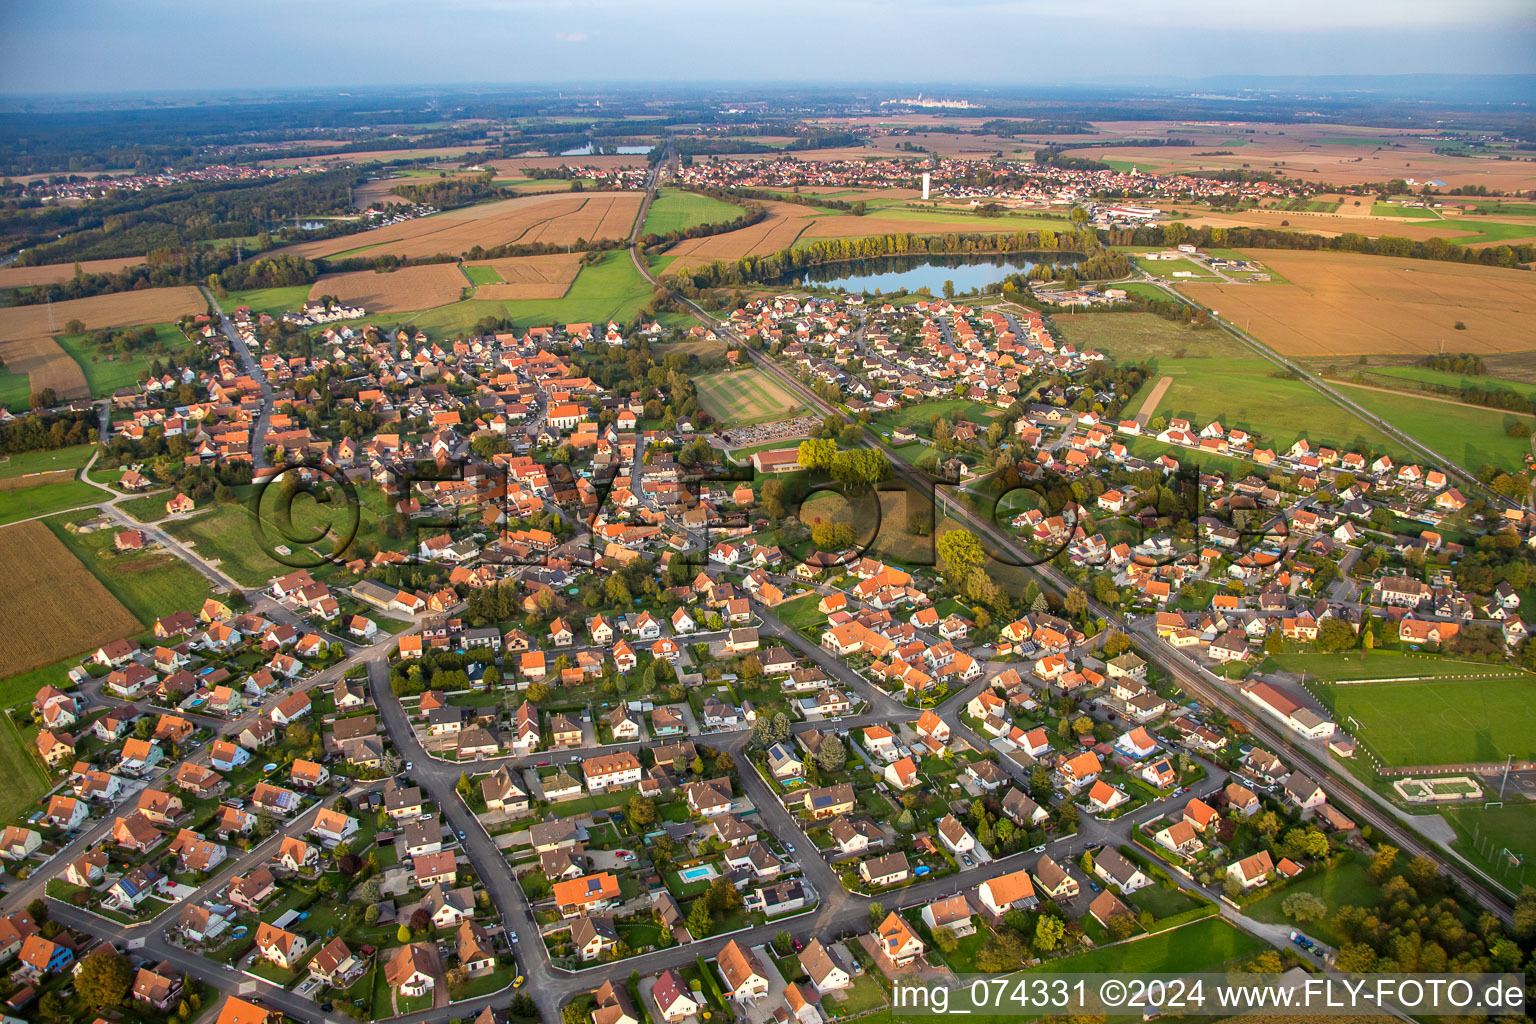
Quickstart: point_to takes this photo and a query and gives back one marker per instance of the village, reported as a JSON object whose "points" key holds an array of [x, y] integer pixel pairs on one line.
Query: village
{"points": [[602, 700]]}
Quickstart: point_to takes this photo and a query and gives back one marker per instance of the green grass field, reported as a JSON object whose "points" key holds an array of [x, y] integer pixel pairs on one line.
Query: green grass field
{"points": [[744, 397], [15, 391], [1450, 722], [1194, 947], [1168, 269], [106, 373], [918, 416], [24, 778], [39, 501], [1376, 665], [148, 583], [610, 289], [1345, 885], [267, 300], [1215, 379], [149, 508], [1460, 381], [1471, 437], [1484, 833], [228, 533], [42, 462], [676, 210], [481, 275]]}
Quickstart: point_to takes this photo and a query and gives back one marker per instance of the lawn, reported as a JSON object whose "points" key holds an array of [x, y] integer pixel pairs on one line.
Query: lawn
{"points": [[481, 274], [1345, 885], [1163, 900], [40, 501], [105, 372], [800, 612], [147, 509], [1470, 437], [149, 583], [676, 210], [276, 301], [1195, 947], [43, 462], [1449, 722], [744, 397]]}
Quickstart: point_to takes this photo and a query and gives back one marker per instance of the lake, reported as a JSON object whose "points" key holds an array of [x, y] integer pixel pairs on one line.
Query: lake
{"points": [[588, 150], [909, 273]]}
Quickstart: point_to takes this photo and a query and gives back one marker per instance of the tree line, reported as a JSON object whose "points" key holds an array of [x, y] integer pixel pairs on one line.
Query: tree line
{"points": [[1208, 236], [837, 250]]}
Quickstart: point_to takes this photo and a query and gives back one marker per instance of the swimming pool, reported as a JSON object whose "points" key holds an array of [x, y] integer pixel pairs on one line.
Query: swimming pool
{"points": [[697, 873]]}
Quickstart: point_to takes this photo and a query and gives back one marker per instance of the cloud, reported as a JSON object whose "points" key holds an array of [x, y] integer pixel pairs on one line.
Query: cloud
{"points": [[571, 37]]}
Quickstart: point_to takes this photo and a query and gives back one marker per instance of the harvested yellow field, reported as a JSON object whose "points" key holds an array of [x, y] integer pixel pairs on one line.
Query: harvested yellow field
{"points": [[530, 277], [26, 333], [398, 291], [51, 605], [784, 223], [555, 219], [58, 273], [1347, 304]]}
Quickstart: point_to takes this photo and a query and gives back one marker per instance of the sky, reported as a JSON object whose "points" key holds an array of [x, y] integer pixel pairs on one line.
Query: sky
{"points": [[155, 45]]}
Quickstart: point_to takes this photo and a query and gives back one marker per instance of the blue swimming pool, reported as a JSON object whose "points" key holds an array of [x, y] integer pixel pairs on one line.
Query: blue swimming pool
{"points": [[697, 873]]}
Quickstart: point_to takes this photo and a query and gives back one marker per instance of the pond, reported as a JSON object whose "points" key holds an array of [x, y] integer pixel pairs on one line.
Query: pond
{"points": [[909, 273], [588, 150]]}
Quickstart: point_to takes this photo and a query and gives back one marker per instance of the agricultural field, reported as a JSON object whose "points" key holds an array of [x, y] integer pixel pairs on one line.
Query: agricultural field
{"points": [[610, 289], [1241, 390], [1134, 337], [406, 288], [676, 210], [1339, 154], [1347, 304], [106, 373], [521, 278], [58, 273], [149, 583], [1468, 435], [27, 346], [481, 274], [553, 219], [273, 301], [15, 390], [1443, 721], [19, 503], [1411, 375], [53, 607], [73, 459], [743, 397]]}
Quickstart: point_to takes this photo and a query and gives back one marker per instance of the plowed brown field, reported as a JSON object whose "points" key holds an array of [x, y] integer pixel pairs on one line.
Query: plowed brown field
{"points": [[531, 277], [51, 605], [1347, 304], [26, 335], [58, 273], [558, 219], [399, 291]]}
